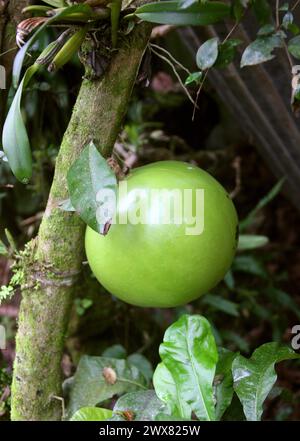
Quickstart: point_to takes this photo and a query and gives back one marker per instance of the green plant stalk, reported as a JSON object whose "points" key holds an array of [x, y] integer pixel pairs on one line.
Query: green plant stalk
{"points": [[116, 6], [52, 263]]}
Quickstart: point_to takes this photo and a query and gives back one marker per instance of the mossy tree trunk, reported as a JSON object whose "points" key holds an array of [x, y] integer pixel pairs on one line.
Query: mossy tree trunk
{"points": [[53, 261]]}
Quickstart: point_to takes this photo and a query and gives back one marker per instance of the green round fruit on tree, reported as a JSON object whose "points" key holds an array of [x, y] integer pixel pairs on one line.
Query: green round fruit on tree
{"points": [[173, 238]]}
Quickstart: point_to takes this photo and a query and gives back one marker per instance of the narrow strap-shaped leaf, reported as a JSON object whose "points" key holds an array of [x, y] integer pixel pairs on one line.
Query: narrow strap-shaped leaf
{"points": [[14, 137], [170, 12]]}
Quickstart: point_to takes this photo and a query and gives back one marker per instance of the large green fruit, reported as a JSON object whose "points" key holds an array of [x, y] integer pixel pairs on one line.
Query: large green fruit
{"points": [[157, 264]]}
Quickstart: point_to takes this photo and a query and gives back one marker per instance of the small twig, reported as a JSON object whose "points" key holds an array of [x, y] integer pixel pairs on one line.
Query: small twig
{"points": [[231, 32], [171, 57], [277, 14], [63, 407], [198, 94], [237, 167], [176, 74], [9, 50], [295, 5]]}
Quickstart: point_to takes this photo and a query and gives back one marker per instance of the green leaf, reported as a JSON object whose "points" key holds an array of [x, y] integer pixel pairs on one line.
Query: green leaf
{"points": [[262, 10], [92, 414], [221, 304], [190, 355], [223, 382], [99, 378], [15, 140], [115, 351], [169, 12], [207, 54], [19, 59], [294, 47], [3, 249], [284, 299], [194, 77], [227, 52], [262, 203], [89, 174], [255, 377], [260, 50], [250, 265], [251, 241], [167, 390], [144, 406], [143, 365], [166, 417], [288, 19]]}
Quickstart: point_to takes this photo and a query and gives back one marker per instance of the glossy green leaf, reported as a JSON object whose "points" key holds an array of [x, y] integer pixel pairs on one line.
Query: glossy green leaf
{"points": [[190, 355], [261, 50], [194, 77], [294, 47], [89, 174], [221, 304], [19, 59], [251, 241], [168, 391], [223, 382], [144, 406], [93, 384], [227, 52], [207, 54], [143, 365], [166, 417], [92, 414], [255, 377], [15, 140], [169, 12]]}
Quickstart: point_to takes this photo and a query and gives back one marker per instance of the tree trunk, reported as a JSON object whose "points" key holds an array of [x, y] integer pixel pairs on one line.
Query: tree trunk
{"points": [[52, 263]]}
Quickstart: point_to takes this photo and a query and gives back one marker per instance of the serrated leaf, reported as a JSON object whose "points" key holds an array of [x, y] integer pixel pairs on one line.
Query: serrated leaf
{"points": [[221, 304], [90, 387], [169, 12], [255, 377], [92, 414], [251, 241], [143, 405], [207, 54], [261, 49], [223, 382], [294, 47], [190, 355], [89, 174]]}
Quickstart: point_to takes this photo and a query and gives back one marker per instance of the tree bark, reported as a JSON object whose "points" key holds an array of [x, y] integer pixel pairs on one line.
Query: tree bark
{"points": [[52, 263]]}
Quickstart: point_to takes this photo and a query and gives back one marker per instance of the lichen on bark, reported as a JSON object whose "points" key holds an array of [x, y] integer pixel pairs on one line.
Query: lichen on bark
{"points": [[55, 263]]}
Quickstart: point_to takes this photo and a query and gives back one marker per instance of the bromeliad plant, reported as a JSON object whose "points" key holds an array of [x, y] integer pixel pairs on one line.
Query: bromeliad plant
{"points": [[194, 380]]}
